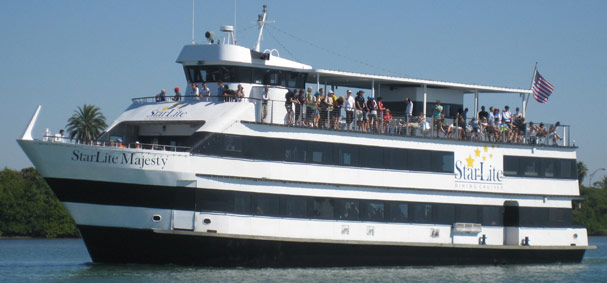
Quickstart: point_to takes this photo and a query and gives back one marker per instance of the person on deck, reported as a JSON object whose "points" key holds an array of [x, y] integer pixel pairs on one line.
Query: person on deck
{"points": [[309, 101], [438, 117], [301, 105], [289, 99], [239, 95], [177, 96], [380, 114], [349, 104], [195, 91], [204, 91], [359, 110], [220, 89], [161, 96], [408, 110], [336, 114]]}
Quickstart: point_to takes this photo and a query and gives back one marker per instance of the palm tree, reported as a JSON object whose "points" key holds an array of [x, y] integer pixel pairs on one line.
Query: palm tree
{"points": [[582, 170], [86, 124]]}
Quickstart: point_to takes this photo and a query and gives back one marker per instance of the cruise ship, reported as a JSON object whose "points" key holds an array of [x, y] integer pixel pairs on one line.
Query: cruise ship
{"points": [[233, 181]]}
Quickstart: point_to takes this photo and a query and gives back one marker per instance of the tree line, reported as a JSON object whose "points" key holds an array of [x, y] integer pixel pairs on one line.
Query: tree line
{"points": [[28, 207]]}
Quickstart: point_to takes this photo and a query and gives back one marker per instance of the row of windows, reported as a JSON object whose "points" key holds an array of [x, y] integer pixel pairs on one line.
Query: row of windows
{"points": [[540, 167], [288, 79], [273, 149], [372, 210]]}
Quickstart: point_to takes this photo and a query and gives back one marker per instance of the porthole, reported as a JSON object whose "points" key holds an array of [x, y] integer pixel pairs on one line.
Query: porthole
{"points": [[156, 218], [206, 221]]}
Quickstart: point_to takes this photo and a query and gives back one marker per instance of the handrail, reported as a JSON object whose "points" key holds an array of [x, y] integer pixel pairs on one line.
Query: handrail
{"points": [[133, 145]]}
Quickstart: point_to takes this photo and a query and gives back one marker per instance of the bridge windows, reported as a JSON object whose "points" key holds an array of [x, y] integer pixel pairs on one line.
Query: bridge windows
{"points": [[239, 74]]}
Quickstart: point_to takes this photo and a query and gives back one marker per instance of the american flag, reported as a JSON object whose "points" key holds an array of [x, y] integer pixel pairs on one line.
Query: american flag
{"points": [[542, 89]]}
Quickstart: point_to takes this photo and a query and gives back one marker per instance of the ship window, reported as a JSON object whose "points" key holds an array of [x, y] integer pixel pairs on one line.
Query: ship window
{"points": [[422, 213], [242, 203], [419, 160], [319, 152], [442, 161], [372, 210], [444, 213], [372, 157], [346, 209], [266, 205], [466, 214], [258, 75], [533, 217], [267, 149], [321, 208], [530, 167], [233, 144], [211, 200], [295, 151], [559, 216], [395, 158], [347, 155], [294, 206], [548, 167], [511, 165], [491, 216], [399, 212], [567, 169]]}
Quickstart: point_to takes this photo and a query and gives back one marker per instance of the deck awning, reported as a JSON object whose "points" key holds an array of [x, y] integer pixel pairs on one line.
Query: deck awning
{"points": [[365, 81]]}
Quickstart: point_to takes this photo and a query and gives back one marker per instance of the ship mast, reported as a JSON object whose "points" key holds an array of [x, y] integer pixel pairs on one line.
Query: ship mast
{"points": [[261, 21]]}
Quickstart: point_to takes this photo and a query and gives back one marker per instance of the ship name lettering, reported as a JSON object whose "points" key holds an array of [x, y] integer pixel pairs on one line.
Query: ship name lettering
{"points": [[483, 173], [133, 158]]}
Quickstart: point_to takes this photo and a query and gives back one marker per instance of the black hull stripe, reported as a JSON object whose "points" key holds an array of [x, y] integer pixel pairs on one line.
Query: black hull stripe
{"points": [[120, 245], [123, 194], [274, 205]]}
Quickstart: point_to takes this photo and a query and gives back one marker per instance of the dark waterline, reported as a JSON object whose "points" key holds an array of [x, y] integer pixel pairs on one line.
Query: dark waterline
{"points": [[34, 260]]}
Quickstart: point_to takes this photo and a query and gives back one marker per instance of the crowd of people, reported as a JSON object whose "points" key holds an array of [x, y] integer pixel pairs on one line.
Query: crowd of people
{"points": [[494, 125], [317, 110], [199, 93]]}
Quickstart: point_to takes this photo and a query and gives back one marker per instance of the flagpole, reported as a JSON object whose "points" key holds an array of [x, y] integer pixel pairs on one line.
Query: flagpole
{"points": [[525, 102]]}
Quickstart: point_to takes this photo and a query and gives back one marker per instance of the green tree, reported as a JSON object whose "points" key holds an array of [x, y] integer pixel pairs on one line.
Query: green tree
{"points": [[582, 170], [28, 207], [86, 124]]}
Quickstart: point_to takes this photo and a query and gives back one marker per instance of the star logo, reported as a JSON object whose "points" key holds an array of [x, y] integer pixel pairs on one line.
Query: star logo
{"points": [[470, 161], [477, 152], [485, 148]]}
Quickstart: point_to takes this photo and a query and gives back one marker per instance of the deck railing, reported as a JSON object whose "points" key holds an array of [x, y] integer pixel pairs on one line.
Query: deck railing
{"points": [[274, 112], [116, 144]]}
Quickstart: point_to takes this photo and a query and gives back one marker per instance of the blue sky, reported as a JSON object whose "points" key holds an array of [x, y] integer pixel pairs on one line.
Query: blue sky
{"points": [[65, 53]]}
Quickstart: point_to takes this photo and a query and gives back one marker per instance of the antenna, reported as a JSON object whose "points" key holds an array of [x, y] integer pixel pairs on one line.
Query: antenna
{"points": [[193, 42], [261, 21], [234, 31]]}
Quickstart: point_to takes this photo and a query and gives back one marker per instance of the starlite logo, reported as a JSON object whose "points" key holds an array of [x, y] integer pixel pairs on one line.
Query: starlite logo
{"points": [[483, 165], [167, 112]]}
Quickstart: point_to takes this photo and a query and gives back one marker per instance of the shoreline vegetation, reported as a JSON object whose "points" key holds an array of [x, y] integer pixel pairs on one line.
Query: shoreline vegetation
{"points": [[29, 208]]}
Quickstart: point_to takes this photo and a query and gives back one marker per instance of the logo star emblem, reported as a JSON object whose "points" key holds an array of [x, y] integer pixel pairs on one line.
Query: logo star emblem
{"points": [[485, 148], [470, 161], [477, 152]]}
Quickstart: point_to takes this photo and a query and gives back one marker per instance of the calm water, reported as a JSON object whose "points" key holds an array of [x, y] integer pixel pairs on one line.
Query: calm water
{"points": [[68, 260]]}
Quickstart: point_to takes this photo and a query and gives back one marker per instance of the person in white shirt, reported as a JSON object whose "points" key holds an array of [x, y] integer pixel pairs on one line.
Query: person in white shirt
{"points": [[350, 102], [408, 109], [507, 116], [205, 91], [195, 91]]}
